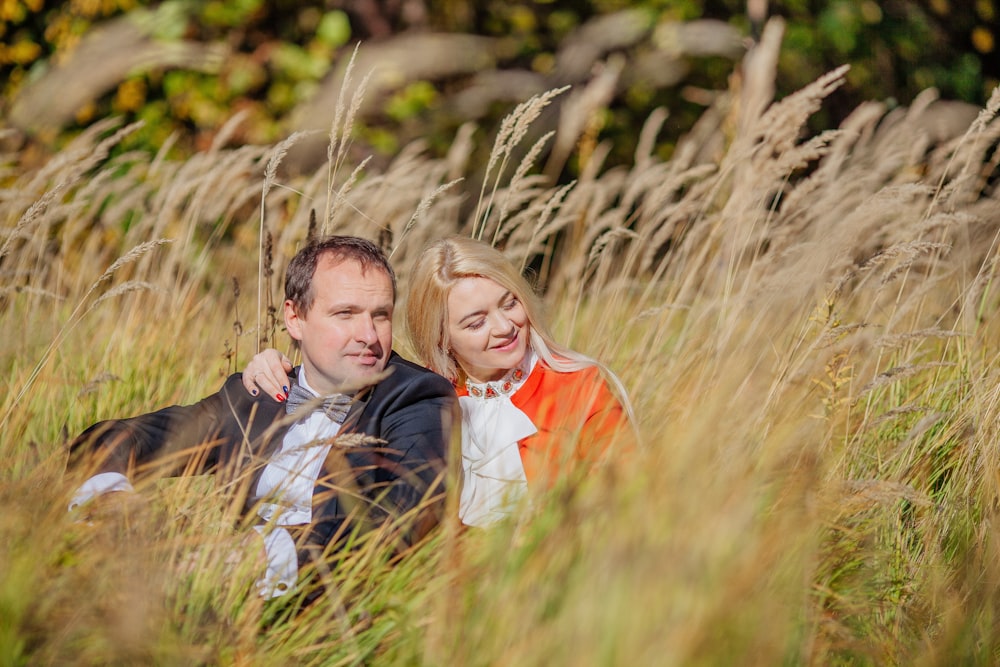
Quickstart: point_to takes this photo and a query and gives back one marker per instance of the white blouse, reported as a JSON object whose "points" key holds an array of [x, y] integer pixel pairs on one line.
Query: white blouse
{"points": [[493, 479]]}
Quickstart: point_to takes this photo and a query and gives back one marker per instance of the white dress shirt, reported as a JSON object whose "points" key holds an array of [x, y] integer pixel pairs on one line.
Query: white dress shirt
{"points": [[286, 488]]}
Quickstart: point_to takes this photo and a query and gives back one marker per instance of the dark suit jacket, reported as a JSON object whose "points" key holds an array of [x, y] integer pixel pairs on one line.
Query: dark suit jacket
{"points": [[233, 434]]}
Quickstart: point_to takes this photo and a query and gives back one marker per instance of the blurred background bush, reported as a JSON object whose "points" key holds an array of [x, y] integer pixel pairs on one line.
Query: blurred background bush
{"points": [[185, 67]]}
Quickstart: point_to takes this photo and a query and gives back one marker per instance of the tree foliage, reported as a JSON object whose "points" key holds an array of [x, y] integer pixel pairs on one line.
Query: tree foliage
{"points": [[187, 66]]}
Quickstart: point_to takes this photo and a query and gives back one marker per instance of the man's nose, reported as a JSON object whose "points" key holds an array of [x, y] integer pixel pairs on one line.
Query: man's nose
{"points": [[366, 331]]}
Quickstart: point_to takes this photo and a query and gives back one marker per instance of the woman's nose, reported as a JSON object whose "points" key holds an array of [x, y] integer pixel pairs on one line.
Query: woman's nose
{"points": [[501, 324]]}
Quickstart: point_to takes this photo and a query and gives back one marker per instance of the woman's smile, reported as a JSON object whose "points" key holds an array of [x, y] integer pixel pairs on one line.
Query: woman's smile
{"points": [[487, 328]]}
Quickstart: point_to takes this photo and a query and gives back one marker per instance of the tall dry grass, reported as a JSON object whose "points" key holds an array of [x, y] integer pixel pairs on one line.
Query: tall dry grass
{"points": [[805, 324]]}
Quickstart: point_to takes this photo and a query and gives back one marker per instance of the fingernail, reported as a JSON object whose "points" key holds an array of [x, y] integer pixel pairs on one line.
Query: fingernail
{"points": [[281, 399], [285, 389], [253, 392]]}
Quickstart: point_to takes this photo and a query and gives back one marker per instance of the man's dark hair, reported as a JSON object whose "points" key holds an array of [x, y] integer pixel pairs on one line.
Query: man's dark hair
{"points": [[299, 275]]}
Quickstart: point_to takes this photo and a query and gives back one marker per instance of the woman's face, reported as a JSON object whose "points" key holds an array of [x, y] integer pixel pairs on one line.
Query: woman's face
{"points": [[488, 328]]}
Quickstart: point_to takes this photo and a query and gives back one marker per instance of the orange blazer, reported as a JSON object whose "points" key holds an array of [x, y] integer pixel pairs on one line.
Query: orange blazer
{"points": [[576, 415]]}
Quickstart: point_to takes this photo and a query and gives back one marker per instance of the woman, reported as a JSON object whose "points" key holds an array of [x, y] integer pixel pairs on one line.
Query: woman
{"points": [[532, 410]]}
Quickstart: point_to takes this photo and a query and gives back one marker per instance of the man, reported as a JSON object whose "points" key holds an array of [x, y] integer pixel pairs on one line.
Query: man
{"points": [[308, 492]]}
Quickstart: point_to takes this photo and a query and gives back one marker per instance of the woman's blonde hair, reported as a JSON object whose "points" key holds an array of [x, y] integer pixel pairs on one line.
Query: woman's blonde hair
{"points": [[440, 266]]}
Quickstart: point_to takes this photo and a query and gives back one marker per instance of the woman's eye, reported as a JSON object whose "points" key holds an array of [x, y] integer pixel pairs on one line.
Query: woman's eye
{"points": [[510, 304], [475, 325]]}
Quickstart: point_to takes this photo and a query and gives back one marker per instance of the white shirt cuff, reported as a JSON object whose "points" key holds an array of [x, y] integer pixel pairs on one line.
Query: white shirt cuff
{"points": [[282, 562], [99, 484]]}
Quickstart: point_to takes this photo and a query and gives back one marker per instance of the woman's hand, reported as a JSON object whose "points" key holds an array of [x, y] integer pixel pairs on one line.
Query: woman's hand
{"points": [[268, 372]]}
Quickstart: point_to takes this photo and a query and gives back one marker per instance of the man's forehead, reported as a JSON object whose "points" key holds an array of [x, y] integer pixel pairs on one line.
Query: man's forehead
{"points": [[351, 273], [350, 266]]}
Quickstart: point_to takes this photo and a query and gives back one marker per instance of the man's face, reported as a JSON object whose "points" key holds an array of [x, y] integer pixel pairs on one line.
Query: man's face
{"points": [[346, 336]]}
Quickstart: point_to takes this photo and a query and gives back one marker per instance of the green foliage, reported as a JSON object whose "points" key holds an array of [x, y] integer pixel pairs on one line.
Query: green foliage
{"points": [[411, 101], [298, 43], [280, 50], [227, 14], [334, 29], [895, 49]]}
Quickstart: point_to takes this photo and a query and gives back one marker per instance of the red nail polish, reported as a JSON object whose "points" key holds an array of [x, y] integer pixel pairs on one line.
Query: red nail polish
{"points": [[281, 399]]}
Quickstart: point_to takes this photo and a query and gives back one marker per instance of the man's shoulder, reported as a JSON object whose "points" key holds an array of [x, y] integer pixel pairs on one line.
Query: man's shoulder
{"points": [[237, 401], [405, 372], [233, 386], [401, 364]]}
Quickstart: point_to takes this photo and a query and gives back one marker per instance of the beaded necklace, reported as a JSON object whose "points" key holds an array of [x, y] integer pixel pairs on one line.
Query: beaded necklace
{"points": [[508, 384]]}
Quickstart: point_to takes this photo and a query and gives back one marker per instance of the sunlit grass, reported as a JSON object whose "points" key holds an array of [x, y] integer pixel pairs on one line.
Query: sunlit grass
{"points": [[807, 330]]}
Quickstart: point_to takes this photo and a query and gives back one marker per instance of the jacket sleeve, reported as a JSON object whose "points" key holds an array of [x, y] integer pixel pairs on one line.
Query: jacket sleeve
{"points": [[179, 439]]}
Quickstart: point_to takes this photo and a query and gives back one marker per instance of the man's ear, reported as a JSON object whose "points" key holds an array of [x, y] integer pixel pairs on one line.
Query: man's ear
{"points": [[293, 322]]}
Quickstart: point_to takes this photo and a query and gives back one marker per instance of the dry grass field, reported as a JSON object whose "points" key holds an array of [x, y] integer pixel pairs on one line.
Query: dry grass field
{"points": [[806, 326]]}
